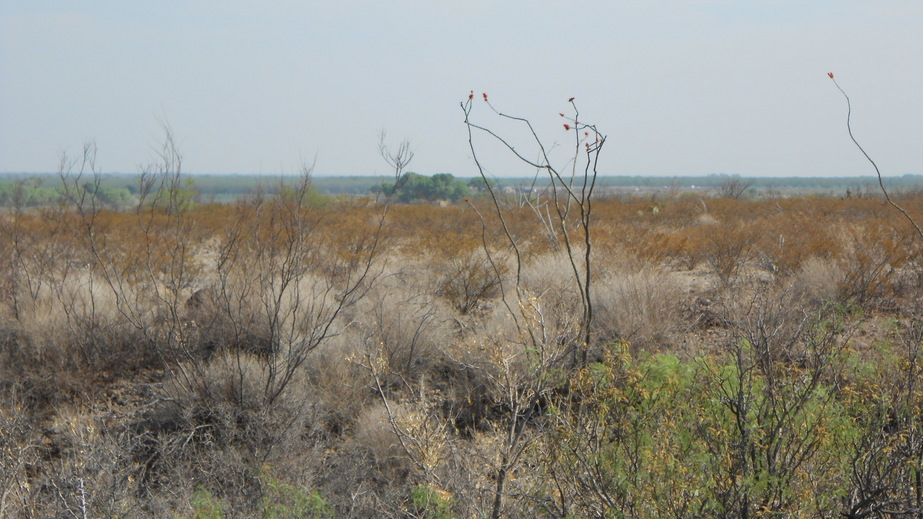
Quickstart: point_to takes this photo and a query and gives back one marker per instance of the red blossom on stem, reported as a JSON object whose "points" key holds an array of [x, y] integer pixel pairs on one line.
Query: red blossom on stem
{"points": [[466, 200], [471, 95], [566, 126], [485, 96], [562, 115], [571, 100], [830, 74]]}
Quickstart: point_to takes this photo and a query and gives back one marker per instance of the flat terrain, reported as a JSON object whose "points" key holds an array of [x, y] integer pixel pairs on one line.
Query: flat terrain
{"points": [[308, 355], [227, 188]]}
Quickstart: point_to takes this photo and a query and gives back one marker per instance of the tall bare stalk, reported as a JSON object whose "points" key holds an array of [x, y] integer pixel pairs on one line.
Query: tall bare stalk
{"points": [[881, 182]]}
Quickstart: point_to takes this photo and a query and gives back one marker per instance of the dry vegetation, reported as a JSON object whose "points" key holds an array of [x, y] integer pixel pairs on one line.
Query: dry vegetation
{"points": [[291, 358], [524, 354]]}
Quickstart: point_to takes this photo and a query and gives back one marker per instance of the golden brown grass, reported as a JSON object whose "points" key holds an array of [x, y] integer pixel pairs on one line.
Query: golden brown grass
{"points": [[145, 354]]}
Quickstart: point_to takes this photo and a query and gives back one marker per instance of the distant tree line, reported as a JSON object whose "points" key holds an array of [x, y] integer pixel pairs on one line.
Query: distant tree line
{"points": [[31, 193], [413, 187], [117, 189]]}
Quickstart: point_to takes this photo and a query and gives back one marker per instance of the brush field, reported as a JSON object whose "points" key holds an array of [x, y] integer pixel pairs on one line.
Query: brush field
{"points": [[317, 357]]}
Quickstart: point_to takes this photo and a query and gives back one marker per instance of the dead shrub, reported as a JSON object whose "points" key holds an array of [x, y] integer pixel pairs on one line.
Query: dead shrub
{"points": [[783, 241], [217, 321], [20, 450], [376, 434], [470, 280], [217, 433], [724, 248], [872, 255], [467, 398]]}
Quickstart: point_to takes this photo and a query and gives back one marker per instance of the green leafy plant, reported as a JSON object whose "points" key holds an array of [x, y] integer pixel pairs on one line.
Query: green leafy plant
{"points": [[205, 505], [285, 501], [431, 503]]}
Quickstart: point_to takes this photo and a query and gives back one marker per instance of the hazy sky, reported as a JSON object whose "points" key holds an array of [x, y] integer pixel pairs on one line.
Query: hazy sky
{"points": [[679, 86]]}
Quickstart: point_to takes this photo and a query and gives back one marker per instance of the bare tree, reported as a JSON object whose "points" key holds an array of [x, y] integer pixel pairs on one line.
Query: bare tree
{"points": [[734, 188], [522, 384]]}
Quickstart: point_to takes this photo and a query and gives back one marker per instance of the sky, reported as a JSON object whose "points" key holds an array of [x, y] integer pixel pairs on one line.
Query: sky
{"points": [[679, 87]]}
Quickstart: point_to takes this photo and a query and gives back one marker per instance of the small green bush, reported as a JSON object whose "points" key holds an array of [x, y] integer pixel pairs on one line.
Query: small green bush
{"points": [[430, 503], [206, 506], [284, 501]]}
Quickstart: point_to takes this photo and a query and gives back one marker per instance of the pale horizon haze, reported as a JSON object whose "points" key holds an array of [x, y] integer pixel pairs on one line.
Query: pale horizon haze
{"points": [[679, 87]]}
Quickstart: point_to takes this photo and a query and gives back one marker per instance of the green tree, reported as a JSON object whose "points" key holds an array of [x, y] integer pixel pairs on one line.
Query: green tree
{"points": [[413, 187], [480, 184]]}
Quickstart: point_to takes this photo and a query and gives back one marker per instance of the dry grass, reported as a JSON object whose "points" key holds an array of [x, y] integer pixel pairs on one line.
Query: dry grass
{"points": [[819, 280], [639, 307], [128, 384]]}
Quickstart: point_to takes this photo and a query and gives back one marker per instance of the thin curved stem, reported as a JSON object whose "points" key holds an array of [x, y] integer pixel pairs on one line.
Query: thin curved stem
{"points": [[872, 162]]}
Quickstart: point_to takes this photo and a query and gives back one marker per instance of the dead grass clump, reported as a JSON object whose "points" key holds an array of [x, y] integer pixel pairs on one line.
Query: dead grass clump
{"points": [[67, 356], [818, 280], [706, 220], [337, 389], [549, 280], [640, 307], [376, 434], [373, 470], [401, 331]]}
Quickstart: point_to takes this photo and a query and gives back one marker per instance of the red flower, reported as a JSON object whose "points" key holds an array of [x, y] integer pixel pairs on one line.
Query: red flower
{"points": [[586, 133], [571, 100], [466, 200], [830, 74], [566, 126], [562, 115], [485, 96], [471, 95]]}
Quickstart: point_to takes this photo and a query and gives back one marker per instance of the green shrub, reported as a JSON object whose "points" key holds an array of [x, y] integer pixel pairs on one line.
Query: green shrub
{"points": [[284, 501], [431, 503], [206, 506]]}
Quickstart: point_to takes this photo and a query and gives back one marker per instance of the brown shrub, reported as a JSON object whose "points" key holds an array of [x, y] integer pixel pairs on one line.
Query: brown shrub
{"points": [[470, 280], [723, 247], [872, 255]]}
